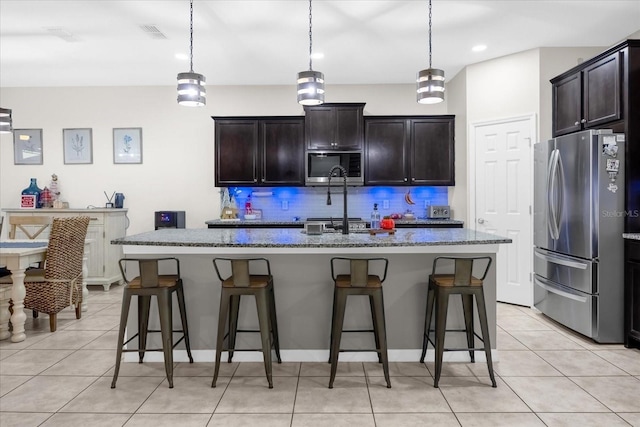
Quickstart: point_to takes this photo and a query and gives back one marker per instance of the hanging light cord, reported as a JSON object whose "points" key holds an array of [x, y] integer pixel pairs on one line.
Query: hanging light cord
{"points": [[310, 38], [191, 39], [429, 33]]}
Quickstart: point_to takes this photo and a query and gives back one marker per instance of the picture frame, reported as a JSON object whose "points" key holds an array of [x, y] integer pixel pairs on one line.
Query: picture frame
{"points": [[77, 146], [27, 147], [127, 145]]}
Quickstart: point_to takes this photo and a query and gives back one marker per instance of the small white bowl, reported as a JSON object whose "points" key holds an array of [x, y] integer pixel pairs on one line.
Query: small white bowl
{"points": [[250, 216]]}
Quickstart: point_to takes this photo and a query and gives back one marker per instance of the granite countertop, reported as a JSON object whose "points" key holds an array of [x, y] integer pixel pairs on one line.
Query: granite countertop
{"points": [[631, 236], [233, 223], [294, 238]]}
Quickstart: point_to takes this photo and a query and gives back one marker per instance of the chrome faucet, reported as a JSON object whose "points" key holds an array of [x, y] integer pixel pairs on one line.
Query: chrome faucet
{"points": [[345, 218]]}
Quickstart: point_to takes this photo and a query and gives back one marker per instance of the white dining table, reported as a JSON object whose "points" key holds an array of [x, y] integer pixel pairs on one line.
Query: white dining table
{"points": [[17, 255]]}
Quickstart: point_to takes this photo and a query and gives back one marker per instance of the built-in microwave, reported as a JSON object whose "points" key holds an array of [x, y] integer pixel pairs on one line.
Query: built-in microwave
{"points": [[319, 163]]}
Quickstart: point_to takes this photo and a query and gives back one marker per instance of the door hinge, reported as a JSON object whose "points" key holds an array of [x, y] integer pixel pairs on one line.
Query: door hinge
{"points": [[530, 209], [530, 277], [529, 139]]}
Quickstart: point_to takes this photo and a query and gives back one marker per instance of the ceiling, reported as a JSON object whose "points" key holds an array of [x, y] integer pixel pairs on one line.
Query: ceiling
{"points": [[261, 42]]}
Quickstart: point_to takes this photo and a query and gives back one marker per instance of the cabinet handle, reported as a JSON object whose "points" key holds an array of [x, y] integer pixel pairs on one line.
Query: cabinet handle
{"points": [[405, 180], [583, 121], [413, 179], [93, 219], [576, 123]]}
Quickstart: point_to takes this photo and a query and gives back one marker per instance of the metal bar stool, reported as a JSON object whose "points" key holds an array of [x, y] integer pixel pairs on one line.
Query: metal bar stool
{"points": [[464, 283], [150, 283], [358, 282], [242, 282]]}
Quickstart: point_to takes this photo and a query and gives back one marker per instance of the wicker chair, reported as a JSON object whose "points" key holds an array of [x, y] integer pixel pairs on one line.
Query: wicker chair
{"points": [[59, 284]]}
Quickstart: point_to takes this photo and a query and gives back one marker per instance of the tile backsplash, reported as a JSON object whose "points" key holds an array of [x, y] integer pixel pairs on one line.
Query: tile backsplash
{"points": [[288, 203]]}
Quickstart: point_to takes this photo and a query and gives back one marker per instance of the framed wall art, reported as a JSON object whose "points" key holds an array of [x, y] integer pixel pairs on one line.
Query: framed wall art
{"points": [[27, 146], [127, 145], [77, 146]]}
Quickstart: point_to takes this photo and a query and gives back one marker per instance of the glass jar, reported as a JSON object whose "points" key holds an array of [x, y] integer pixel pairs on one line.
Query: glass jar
{"points": [[31, 190]]}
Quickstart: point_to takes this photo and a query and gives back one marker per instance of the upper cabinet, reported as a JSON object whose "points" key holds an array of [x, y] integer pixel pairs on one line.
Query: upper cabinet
{"points": [[415, 150], [251, 151], [588, 97], [334, 126]]}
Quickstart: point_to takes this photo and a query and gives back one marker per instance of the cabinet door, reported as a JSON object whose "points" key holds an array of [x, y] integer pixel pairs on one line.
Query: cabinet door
{"points": [[432, 148], [632, 295], [236, 145], [348, 125], [386, 152], [320, 128], [567, 104], [601, 86], [282, 152]]}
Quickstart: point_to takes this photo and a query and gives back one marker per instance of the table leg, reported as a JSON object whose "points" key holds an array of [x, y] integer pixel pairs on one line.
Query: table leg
{"points": [[85, 273], [5, 297], [18, 317]]}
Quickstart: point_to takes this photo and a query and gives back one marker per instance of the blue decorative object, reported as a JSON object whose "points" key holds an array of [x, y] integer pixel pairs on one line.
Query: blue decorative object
{"points": [[31, 190]]}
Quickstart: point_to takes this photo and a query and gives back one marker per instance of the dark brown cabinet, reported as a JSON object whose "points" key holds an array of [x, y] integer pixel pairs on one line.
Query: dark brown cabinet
{"points": [[632, 294], [265, 151], [588, 97], [334, 126], [409, 150]]}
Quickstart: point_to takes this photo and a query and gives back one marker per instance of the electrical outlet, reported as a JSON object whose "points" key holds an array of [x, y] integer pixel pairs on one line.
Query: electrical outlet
{"points": [[385, 204], [285, 205]]}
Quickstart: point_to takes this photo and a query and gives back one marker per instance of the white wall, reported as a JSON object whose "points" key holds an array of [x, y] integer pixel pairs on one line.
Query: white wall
{"points": [[456, 95], [177, 169]]}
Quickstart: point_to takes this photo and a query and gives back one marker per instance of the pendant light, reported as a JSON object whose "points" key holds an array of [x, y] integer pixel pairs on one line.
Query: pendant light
{"points": [[191, 91], [6, 122], [310, 83], [430, 82]]}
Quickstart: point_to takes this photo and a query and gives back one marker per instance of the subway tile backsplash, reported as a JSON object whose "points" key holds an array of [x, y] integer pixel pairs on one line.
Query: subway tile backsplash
{"points": [[288, 203]]}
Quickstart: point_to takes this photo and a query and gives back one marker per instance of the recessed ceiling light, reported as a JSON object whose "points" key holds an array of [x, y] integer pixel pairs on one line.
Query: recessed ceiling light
{"points": [[479, 48], [182, 56]]}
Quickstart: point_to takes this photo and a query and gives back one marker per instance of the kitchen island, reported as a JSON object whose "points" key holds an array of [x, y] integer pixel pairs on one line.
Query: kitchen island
{"points": [[304, 289]]}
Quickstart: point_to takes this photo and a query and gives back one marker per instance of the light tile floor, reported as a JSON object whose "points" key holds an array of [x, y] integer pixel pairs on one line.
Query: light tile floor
{"points": [[546, 375]]}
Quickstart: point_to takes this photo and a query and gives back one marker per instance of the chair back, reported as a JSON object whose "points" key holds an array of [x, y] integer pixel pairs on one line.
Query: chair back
{"points": [[463, 269], [24, 222], [66, 248], [240, 271], [359, 269]]}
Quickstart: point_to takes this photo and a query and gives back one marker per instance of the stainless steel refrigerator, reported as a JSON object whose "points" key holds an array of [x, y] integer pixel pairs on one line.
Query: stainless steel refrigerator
{"points": [[578, 225]]}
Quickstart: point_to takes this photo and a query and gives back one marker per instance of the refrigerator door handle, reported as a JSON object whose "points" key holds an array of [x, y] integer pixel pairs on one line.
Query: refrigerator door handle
{"points": [[551, 191], [560, 200], [556, 259], [556, 290]]}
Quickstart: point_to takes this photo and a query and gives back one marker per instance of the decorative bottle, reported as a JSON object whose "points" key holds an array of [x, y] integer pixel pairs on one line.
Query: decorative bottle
{"points": [[32, 190], [375, 217]]}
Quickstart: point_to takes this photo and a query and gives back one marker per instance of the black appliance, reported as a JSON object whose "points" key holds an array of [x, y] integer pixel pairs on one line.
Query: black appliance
{"points": [[319, 163], [169, 219]]}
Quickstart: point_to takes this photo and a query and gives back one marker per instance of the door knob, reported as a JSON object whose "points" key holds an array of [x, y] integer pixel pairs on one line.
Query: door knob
{"points": [[480, 221]]}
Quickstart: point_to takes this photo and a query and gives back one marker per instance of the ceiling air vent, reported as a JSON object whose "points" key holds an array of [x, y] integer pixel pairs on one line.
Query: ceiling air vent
{"points": [[62, 33], [153, 31]]}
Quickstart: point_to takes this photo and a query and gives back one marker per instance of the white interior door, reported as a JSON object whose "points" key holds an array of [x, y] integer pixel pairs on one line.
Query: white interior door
{"points": [[503, 184]]}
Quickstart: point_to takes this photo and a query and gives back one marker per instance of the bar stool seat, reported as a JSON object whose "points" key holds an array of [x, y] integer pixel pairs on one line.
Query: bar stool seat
{"points": [[149, 283], [358, 282], [464, 283], [239, 283]]}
